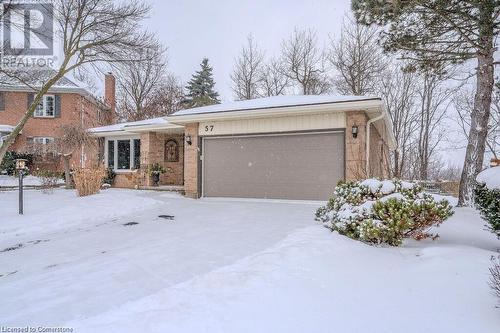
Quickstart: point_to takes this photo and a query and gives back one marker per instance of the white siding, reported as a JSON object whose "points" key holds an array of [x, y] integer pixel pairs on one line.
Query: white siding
{"points": [[274, 124]]}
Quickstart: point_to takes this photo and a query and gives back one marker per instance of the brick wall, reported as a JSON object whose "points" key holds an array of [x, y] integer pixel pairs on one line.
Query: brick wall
{"points": [[74, 108], [356, 149], [355, 153], [153, 151], [110, 95], [379, 157], [191, 162]]}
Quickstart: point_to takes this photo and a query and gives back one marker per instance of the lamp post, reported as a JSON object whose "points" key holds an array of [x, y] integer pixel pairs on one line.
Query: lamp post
{"points": [[21, 168]]}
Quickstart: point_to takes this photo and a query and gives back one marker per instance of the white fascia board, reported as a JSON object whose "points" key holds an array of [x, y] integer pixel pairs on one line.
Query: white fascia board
{"points": [[152, 127], [109, 134], [364, 105]]}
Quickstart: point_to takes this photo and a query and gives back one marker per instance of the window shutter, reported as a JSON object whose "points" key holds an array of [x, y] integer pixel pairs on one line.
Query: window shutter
{"points": [[30, 99], [57, 107], [2, 101]]}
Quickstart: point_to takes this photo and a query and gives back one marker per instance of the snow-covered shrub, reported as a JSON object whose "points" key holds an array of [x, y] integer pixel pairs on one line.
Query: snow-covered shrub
{"points": [[487, 197], [386, 211]]}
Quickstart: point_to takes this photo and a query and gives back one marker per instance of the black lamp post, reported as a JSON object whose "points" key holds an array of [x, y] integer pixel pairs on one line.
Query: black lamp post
{"points": [[21, 168]]}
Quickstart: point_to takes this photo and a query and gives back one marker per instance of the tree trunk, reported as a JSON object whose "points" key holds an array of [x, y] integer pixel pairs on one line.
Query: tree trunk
{"points": [[397, 171], [480, 116], [67, 171]]}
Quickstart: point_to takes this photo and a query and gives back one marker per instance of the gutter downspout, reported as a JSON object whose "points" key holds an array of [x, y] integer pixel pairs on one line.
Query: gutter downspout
{"points": [[368, 123]]}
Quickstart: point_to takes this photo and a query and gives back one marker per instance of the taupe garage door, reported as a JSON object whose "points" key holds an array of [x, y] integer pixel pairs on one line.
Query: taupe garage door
{"points": [[284, 166]]}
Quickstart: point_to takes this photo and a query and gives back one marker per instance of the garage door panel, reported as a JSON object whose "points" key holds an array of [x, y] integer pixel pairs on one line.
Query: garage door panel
{"points": [[299, 166]]}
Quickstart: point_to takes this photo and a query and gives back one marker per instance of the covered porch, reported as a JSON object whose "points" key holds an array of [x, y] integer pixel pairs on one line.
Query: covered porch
{"points": [[131, 149]]}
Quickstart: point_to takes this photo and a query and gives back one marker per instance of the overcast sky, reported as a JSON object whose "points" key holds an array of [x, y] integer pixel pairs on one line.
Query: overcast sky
{"points": [[193, 29]]}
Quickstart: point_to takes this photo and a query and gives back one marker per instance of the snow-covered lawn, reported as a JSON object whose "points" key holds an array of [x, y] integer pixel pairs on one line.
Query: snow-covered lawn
{"points": [[231, 266]]}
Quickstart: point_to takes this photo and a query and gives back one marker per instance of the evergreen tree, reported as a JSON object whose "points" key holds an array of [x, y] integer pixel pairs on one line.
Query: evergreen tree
{"points": [[434, 32], [201, 87]]}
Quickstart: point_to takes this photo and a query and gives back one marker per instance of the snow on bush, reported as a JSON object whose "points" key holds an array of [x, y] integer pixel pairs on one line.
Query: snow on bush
{"points": [[487, 197], [490, 178], [385, 211]]}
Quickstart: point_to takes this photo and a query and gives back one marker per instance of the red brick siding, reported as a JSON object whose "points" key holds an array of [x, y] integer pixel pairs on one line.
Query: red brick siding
{"points": [[74, 108]]}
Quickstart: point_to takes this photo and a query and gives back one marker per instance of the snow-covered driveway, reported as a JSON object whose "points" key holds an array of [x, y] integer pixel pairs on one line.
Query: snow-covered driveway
{"points": [[231, 266], [78, 259]]}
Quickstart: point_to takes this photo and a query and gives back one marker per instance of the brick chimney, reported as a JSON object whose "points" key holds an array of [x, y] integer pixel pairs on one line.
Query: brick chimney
{"points": [[109, 94]]}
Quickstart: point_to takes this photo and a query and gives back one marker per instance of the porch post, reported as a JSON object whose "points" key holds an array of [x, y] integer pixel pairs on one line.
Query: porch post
{"points": [[191, 159]]}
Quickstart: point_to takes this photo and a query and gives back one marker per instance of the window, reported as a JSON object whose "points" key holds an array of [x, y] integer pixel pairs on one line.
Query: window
{"points": [[41, 145], [123, 154], [111, 154], [46, 107], [43, 140], [137, 153]]}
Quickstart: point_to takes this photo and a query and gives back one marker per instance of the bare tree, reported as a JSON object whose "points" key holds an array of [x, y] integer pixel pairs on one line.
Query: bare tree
{"points": [[398, 89], [357, 58], [304, 62], [434, 99], [464, 105], [165, 98], [273, 80], [138, 81], [92, 32], [247, 71], [72, 137]]}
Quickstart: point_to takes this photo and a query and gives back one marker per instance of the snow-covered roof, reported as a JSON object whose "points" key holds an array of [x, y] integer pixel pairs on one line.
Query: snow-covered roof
{"points": [[273, 102], [131, 126], [490, 177], [33, 79], [6, 128]]}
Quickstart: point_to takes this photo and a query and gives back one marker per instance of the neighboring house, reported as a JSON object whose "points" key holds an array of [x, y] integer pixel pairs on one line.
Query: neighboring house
{"points": [[65, 103], [284, 147]]}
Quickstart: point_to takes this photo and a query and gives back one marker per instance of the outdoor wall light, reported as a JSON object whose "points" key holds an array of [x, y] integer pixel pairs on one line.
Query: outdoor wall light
{"points": [[354, 131], [188, 140]]}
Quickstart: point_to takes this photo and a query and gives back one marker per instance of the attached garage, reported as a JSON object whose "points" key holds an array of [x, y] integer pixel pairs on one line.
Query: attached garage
{"points": [[300, 165], [281, 147]]}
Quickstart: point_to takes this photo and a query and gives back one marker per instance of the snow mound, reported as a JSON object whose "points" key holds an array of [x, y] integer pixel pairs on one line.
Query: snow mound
{"points": [[10, 181], [490, 177], [373, 184]]}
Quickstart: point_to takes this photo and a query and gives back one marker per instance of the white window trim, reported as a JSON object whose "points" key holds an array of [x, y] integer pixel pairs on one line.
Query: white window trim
{"points": [[115, 155], [44, 103]]}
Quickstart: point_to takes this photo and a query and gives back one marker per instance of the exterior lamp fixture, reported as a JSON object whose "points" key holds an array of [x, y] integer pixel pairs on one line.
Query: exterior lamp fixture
{"points": [[189, 141], [21, 170], [354, 131]]}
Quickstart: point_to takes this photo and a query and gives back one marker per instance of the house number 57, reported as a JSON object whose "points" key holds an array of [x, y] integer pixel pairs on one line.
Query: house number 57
{"points": [[209, 128]]}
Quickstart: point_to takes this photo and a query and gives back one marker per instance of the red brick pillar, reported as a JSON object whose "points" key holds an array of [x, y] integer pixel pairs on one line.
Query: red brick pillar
{"points": [[355, 147], [191, 161]]}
